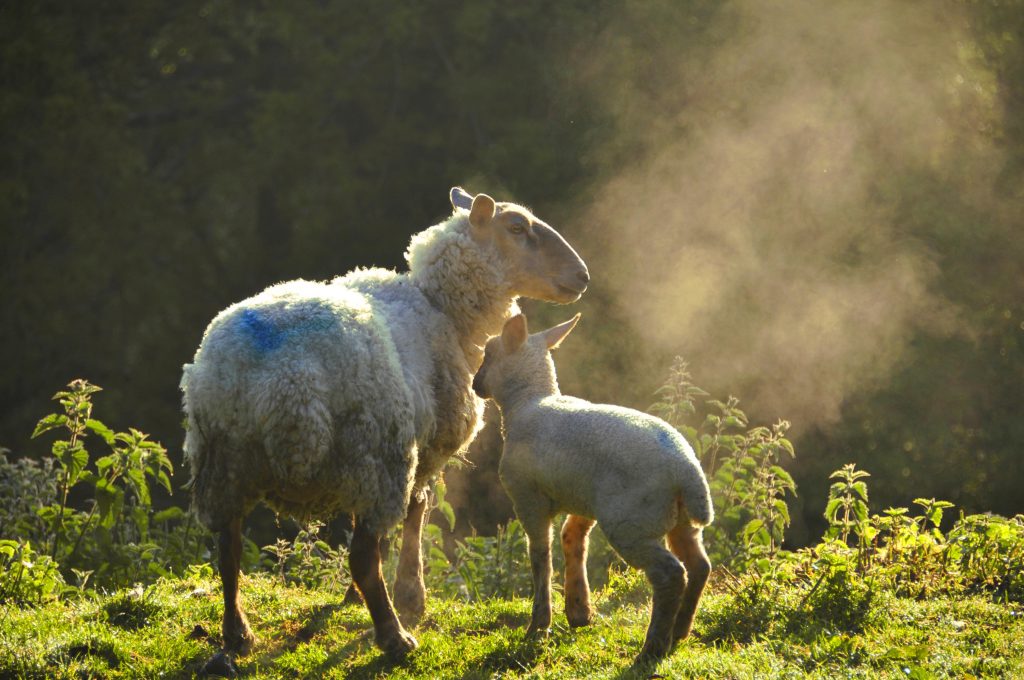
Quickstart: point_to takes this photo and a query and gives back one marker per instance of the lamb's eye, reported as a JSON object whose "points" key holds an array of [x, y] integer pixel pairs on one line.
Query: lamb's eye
{"points": [[517, 228]]}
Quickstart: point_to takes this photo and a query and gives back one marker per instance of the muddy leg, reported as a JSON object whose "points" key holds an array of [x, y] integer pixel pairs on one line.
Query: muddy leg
{"points": [[364, 563], [238, 637], [686, 543], [666, 576], [347, 524], [410, 591], [538, 531], [575, 533]]}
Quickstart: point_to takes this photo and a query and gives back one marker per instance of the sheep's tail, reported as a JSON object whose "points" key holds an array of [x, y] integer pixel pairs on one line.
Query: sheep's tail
{"points": [[694, 493], [194, 451]]}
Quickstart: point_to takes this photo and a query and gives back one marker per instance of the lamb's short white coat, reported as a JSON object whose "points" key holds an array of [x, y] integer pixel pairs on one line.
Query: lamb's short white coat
{"points": [[320, 397], [626, 469], [632, 472]]}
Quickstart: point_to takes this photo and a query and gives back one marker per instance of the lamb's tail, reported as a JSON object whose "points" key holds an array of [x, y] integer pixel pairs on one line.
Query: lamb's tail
{"points": [[694, 493]]}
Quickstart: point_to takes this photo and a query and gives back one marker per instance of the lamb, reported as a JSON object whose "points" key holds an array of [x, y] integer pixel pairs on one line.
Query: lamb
{"points": [[630, 471], [351, 395]]}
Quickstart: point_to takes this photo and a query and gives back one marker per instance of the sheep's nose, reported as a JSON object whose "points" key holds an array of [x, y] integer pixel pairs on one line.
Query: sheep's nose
{"points": [[584, 276]]}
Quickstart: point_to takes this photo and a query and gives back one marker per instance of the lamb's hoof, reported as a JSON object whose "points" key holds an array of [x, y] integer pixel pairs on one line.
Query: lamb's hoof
{"points": [[221, 665], [398, 645], [578, 619]]}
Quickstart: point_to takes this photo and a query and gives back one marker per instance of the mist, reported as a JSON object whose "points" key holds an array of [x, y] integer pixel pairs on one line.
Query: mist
{"points": [[752, 213]]}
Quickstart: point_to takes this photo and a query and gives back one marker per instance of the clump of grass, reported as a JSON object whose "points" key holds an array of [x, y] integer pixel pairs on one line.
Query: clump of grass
{"points": [[131, 610]]}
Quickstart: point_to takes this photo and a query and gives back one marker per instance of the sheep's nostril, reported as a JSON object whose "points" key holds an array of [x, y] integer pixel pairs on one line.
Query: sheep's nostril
{"points": [[584, 276]]}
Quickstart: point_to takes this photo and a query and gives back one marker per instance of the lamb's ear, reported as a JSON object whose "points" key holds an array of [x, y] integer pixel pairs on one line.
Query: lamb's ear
{"points": [[554, 336], [482, 210], [514, 334], [460, 199]]}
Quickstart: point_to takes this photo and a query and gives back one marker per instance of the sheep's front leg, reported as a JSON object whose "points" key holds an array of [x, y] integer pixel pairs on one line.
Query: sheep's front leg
{"points": [[410, 591], [575, 534], [238, 636], [364, 562]]}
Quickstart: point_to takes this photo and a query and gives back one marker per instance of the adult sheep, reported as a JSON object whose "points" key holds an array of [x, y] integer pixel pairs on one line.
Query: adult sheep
{"points": [[351, 395]]}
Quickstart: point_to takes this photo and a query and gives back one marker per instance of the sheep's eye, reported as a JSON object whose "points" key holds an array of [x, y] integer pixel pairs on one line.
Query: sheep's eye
{"points": [[517, 227]]}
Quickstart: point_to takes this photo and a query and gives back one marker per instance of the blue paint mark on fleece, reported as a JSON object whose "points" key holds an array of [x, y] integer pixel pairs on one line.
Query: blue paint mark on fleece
{"points": [[666, 439], [264, 335]]}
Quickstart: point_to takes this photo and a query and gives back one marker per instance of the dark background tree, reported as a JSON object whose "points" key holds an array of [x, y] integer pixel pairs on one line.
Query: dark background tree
{"points": [[159, 162]]}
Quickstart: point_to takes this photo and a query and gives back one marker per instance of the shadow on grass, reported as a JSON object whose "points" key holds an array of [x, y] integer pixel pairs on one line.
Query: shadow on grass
{"points": [[288, 640]]}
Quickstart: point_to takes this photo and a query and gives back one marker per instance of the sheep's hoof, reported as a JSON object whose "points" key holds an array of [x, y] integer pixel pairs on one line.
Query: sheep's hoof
{"points": [[220, 665], [410, 604], [240, 642], [538, 631], [398, 645], [352, 596], [653, 651]]}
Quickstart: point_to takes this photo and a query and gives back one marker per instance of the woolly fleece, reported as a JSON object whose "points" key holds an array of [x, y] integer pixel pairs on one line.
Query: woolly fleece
{"points": [[348, 395]]}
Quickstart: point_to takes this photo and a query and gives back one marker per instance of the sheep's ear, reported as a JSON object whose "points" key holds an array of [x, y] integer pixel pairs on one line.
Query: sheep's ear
{"points": [[460, 199], [514, 334], [554, 336], [482, 210]]}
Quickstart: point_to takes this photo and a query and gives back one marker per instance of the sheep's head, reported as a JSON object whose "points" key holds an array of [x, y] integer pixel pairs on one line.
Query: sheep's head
{"points": [[516, 360], [539, 262]]}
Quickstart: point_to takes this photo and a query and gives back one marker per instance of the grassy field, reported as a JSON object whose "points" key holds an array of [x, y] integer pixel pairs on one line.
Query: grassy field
{"points": [[171, 629]]}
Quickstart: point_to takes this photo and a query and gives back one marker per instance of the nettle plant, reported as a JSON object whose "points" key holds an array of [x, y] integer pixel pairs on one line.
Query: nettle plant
{"points": [[118, 539], [910, 555], [748, 484]]}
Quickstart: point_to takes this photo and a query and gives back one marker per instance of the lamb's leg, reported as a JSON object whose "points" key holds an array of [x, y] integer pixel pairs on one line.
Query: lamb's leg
{"points": [[666, 576], [575, 534], [538, 531], [686, 543], [238, 637], [410, 591], [364, 563]]}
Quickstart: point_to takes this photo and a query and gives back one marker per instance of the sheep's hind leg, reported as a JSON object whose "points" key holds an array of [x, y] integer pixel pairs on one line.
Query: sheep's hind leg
{"points": [[238, 636], [364, 563], [666, 576], [410, 591], [686, 543], [575, 533]]}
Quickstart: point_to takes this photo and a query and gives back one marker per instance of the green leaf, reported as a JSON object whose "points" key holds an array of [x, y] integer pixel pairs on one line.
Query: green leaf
{"points": [[50, 422], [137, 478], [861, 489], [752, 527], [779, 472], [169, 514], [832, 509], [782, 509], [100, 429]]}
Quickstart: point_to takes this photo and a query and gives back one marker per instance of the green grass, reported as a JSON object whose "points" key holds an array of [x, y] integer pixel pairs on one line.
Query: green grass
{"points": [[172, 628]]}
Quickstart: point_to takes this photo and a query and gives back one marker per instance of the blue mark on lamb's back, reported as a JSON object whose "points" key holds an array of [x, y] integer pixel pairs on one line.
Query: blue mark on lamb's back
{"points": [[666, 439]]}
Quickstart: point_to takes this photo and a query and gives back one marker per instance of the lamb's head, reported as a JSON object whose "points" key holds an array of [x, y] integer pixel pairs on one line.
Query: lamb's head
{"points": [[539, 263], [516, 362]]}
